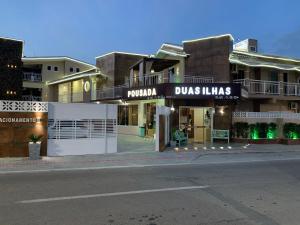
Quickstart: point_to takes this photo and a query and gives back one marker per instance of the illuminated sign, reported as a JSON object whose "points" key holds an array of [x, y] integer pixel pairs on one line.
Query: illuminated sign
{"points": [[19, 120], [196, 90], [144, 92], [220, 91], [87, 86]]}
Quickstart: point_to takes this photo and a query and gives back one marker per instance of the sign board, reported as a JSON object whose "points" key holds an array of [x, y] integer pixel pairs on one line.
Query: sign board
{"points": [[221, 91]]}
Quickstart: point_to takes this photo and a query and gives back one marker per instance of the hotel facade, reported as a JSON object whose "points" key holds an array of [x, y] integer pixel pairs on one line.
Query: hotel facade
{"points": [[209, 84]]}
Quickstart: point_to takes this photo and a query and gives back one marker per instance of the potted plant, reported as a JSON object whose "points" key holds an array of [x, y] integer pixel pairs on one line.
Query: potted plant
{"points": [[35, 146]]}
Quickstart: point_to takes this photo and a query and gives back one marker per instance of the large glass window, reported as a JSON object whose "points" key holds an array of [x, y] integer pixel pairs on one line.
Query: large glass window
{"points": [[128, 115]]}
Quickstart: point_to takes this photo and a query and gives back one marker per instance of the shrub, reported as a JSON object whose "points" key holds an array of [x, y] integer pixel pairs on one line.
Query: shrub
{"points": [[241, 129], [262, 130], [35, 138], [291, 130]]}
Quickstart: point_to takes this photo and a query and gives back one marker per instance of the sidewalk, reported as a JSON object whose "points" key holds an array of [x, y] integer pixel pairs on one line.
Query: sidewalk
{"points": [[237, 153]]}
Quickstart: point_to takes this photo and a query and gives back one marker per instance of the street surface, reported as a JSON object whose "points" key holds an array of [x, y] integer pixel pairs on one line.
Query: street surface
{"points": [[239, 193]]}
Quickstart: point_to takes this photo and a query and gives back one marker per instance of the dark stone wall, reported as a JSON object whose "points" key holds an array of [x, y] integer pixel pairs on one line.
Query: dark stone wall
{"points": [[209, 57], [117, 67], [123, 64], [11, 76], [106, 64]]}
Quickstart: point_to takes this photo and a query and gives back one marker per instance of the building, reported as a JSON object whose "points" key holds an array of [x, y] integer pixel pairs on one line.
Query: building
{"points": [[207, 82], [11, 52], [57, 79]]}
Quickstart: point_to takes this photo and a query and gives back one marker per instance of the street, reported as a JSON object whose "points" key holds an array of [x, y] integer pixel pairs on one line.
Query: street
{"points": [[233, 193]]}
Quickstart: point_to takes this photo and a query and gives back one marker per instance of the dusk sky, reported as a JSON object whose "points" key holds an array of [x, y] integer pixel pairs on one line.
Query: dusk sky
{"points": [[86, 29]]}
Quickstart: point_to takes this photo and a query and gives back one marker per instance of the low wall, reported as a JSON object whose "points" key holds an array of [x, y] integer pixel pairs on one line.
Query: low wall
{"points": [[129, 130]]}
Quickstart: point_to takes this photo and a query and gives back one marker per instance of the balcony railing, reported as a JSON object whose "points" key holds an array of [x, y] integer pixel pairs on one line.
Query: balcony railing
{"points": [[260, 86], [266, 115], [110, 93], [31, 98], [198, 79], [291, 89], [160, 78], [31, 76]]}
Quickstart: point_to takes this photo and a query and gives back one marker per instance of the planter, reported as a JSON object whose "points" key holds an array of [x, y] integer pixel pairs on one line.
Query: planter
{"points": [[256, 141], [290, 141], [240, 140], [264, 141], [34, 150]]}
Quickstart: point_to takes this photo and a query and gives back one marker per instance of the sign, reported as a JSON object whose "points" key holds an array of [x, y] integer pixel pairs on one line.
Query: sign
{"points": [[19, 120], [211, 90], [143, 92], [87, 86], [226, 91]]}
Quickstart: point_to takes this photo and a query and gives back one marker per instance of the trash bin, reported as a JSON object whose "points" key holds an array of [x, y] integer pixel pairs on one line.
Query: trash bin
{"points": [[142, 131]]}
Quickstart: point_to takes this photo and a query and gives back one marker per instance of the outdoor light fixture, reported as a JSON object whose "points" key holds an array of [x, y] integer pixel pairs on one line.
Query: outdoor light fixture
{"points": [[222, 111], [172, 108]]}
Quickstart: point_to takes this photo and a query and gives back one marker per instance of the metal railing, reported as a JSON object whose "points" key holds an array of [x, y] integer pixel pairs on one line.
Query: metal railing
{"points": [[31, 98], [159, 78], [260, 86], [266, 115], [198, 79], [291, 89], [32, 76]]}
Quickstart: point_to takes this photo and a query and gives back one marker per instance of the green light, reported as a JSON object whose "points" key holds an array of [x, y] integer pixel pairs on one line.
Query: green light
{"points": [[254, 134], [293, 135], [271, 133]]}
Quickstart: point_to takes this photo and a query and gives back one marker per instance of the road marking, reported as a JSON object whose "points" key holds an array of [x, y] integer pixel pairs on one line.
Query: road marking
{"points": [[110, 194]]}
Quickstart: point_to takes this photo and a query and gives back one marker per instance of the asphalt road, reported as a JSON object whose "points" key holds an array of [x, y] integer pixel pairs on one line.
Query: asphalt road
{"points": [[239, 194]]}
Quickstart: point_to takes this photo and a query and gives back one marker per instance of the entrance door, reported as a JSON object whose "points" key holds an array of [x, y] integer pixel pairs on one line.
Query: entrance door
{"points": [[199, 126], [197, 122]]}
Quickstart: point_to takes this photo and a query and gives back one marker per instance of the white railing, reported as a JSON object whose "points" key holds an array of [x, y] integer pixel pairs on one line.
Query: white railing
{"points": [[31, 98], [112, 92], [31, 76], [198, 79], [291, 89], [81, 129], [23, 106], [270, 87], [260, 86], [266, 115]]}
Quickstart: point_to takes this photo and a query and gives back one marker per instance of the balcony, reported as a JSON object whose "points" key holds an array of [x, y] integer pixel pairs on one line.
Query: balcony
{"points": [[31, 76], [160, 78], [109, 93], [31, 98], [264, 87]]}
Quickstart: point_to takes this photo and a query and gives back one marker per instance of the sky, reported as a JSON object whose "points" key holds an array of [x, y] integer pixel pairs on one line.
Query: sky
{"points": [[84, 29]]}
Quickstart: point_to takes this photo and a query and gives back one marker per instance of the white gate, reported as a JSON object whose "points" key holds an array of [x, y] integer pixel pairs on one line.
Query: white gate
{"points": [[79, 129], [162, 127]]}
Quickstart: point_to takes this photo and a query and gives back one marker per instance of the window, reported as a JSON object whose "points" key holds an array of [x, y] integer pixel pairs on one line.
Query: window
{"points": [[48, 67], [239, 75], [55, 68], [252, 49], [274, 76], [71, 69], [77, 70], [128, 115]]}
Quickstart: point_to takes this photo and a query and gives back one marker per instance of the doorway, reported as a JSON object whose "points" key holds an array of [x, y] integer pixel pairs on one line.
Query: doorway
{"points": [[197, 123]]}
